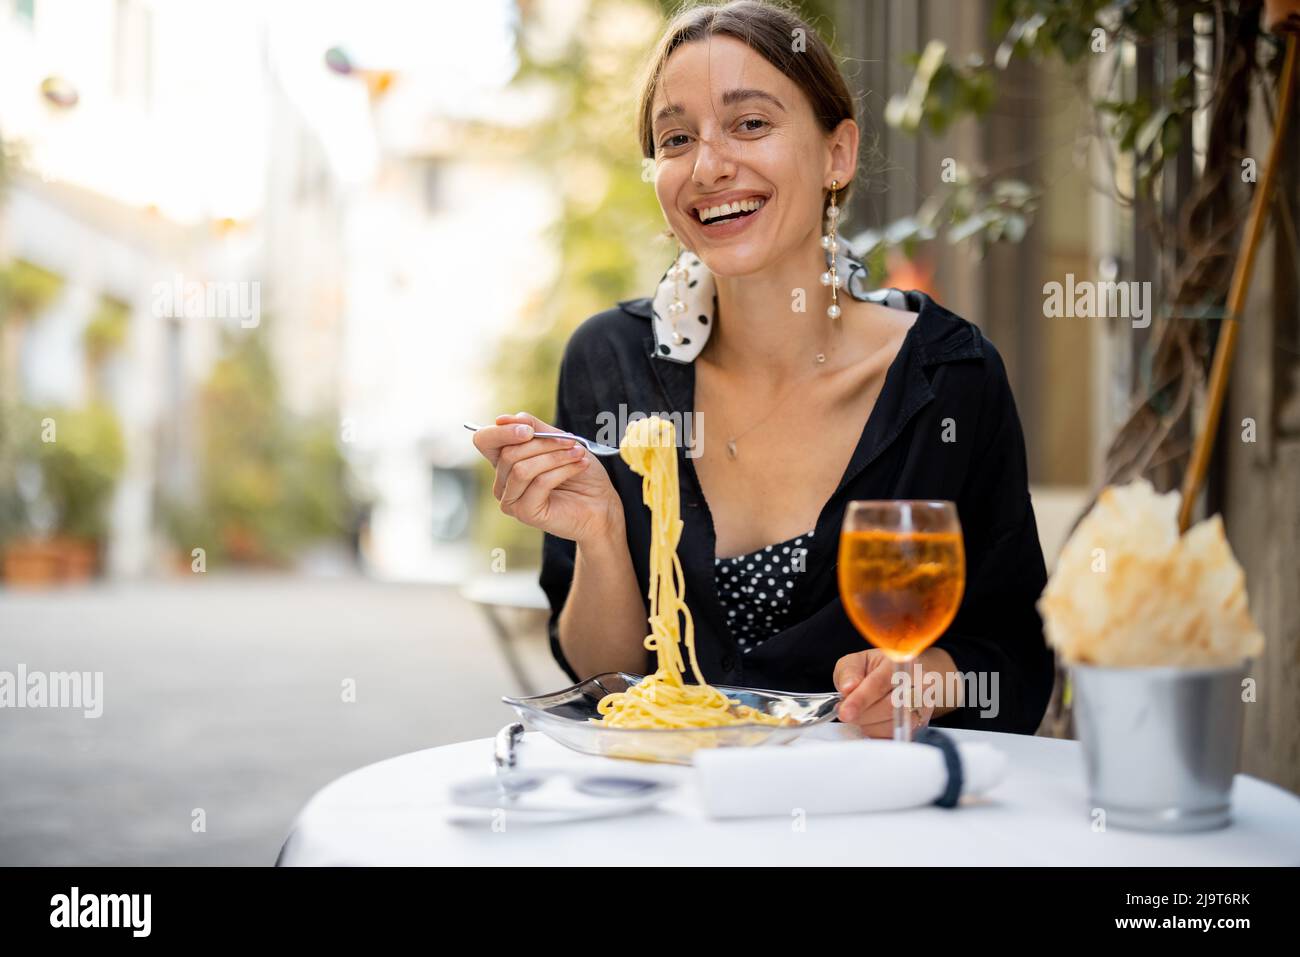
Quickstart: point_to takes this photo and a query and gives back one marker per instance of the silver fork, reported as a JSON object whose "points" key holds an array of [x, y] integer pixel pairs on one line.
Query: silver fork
{"points": [[596, 448]]}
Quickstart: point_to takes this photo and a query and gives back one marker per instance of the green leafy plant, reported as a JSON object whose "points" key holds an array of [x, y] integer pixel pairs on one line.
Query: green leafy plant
{"points": [[1141, 128], [26, 289], [13, 509], [79, 467], [106, 332], [269, 482], [1189, 209]]}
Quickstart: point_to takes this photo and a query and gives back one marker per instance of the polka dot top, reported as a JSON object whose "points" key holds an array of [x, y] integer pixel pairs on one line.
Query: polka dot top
{"points": [[755, 589]]}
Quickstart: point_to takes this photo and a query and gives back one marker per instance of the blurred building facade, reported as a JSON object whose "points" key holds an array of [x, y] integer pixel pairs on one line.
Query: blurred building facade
{"points": [[435, 271], [213, 144], [115, 193]]}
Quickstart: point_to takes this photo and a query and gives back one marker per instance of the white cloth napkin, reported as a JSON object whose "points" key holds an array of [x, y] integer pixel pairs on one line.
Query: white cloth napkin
{"points": [[836, 778]]}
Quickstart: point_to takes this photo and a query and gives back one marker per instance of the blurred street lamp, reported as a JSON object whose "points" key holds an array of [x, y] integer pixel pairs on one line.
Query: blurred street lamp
{"points": [[377, 81], [337, 60], [59, 92]]}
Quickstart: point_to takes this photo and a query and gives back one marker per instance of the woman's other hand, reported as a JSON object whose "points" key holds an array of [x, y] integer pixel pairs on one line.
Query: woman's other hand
{"points": [[555, 485], [865, 679]]}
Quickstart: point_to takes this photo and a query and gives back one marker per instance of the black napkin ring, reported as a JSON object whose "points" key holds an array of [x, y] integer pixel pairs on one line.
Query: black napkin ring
{"points": [[951, 758]]}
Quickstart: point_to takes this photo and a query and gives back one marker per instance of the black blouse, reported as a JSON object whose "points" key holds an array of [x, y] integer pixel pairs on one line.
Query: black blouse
{"points": [[943, 427]]}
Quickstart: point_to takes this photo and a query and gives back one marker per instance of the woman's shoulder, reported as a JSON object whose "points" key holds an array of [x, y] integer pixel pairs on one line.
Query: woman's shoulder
{"points": [[941, 334], [973, 365], [975, 376]]}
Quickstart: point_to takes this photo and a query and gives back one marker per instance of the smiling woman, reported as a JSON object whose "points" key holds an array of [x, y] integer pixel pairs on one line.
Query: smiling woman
{"points": [[806, 390], [746, 85]]}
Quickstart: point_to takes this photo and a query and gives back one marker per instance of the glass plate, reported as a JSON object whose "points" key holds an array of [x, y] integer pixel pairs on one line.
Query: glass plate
{"points": [[566, 717]]}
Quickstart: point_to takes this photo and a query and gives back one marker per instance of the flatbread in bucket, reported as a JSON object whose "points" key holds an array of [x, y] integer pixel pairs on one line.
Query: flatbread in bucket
{"points": [[1129, 591]]}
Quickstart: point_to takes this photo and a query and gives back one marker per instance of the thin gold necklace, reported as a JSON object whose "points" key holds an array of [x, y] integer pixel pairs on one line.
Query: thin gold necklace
{"points": [[733, 452]]}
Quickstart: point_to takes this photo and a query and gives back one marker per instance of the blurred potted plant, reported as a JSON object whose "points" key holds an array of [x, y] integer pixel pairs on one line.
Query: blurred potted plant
{"points": [[26, 290], [103, 336], [14, 517], [269, 483], [75, 457]]}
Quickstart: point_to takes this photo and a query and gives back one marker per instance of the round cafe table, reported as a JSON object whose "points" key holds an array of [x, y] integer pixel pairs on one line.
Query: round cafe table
{"points": [[397, 812]]}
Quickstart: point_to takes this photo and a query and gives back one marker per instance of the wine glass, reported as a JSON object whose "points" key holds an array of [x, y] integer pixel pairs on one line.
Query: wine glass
{"points": [[902, 572]]}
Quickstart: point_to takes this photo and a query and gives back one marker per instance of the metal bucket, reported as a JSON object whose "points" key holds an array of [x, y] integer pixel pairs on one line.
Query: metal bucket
{"points": [[1161, 744]]}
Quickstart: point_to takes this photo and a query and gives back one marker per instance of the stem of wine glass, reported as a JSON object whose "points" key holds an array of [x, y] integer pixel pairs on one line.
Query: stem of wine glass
{"points": [[902, 713]]}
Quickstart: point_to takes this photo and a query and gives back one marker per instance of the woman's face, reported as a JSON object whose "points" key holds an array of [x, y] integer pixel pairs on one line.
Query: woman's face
{"points": [[728, 126]]}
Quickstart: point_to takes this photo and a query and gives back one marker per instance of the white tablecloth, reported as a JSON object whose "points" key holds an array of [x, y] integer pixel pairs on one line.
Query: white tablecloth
{"points": [[396, 812]]}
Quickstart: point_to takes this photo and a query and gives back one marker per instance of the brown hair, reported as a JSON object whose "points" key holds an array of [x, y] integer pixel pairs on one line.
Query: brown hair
{"points": [[769, 30]]}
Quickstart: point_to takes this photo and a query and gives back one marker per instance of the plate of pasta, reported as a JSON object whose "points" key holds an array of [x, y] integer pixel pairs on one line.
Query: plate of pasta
{"points": [[664, 716], [573, 718]]}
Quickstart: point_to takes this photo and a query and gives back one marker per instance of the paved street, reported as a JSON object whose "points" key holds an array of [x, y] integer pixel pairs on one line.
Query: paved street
{"points": [[226, 695]]}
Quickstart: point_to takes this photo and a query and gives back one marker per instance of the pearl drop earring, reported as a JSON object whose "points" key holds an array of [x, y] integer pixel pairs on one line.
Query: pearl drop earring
{"points": [[677, 273], [830, 243]]}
